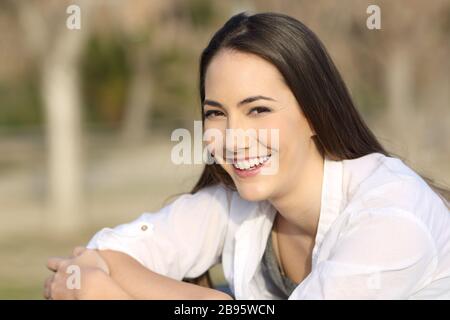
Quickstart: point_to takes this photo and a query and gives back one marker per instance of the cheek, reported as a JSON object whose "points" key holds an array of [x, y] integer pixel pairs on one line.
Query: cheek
{"points": [[294, 141], [213, 136], [228, 168]]}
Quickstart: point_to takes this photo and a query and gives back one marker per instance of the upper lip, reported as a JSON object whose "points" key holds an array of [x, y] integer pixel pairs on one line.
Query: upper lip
{"points": [[247, 158]]}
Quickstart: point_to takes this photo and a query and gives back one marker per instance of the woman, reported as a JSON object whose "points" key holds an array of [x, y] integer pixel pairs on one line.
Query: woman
{"points": [[338, 219]]}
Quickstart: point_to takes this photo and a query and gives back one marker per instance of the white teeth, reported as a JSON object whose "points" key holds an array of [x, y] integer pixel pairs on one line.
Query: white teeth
{"points": [[248, 164]]}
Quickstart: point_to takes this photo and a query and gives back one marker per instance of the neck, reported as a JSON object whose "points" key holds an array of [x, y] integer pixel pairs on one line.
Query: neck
{"points": [[300, 204]]}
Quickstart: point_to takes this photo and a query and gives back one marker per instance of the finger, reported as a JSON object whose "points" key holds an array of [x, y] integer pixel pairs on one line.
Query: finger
{"points": [[53, 290], [47, 287], [54, 263], [78, 251], [58, 288]]}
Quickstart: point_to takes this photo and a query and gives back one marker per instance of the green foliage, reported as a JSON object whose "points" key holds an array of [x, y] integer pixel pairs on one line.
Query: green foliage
{"points": [[175, 87], [20, 103], [201, 12], [105, 74], [369, 100]]}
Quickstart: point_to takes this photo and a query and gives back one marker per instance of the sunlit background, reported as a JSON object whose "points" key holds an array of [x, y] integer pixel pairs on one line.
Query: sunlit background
{"points": [[86, 115]]}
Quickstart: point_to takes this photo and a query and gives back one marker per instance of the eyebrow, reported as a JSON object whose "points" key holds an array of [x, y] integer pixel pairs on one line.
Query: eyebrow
{"points": [[244, 101]]}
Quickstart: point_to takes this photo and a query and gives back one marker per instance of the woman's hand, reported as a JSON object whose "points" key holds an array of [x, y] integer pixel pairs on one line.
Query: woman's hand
{"points": [[82, 257], [82, 276], [93, 284]]}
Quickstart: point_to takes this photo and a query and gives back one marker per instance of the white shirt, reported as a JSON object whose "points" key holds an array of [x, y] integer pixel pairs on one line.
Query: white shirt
{"points": [[382, 234]]}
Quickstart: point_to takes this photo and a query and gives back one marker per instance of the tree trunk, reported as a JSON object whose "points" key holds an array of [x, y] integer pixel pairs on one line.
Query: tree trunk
{"points": [[62, 99], [400, 99], [137, 110]]}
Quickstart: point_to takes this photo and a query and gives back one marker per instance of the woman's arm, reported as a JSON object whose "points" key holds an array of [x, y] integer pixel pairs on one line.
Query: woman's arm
{"points": [[114, 275], [181, 240], [142, 283]]}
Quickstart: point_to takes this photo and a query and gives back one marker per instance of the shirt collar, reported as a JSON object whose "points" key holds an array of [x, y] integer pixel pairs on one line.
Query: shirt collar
{"points": [[331, 200]]}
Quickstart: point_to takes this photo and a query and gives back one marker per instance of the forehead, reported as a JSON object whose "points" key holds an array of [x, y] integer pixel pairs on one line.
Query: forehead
{"points": [[233, 75]]}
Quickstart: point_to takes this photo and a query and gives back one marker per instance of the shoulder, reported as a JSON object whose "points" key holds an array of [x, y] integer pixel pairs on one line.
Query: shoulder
{"points": [[377, 169], [376, 181], [386, 209], [384, 192]]}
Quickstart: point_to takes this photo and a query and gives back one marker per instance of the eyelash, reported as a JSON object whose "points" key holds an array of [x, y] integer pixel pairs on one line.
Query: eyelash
{"points": [[210, 113], [265, 109]]}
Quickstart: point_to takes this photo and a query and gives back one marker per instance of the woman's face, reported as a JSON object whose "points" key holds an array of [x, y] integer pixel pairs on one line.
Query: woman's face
{"points": [[232, 80]]}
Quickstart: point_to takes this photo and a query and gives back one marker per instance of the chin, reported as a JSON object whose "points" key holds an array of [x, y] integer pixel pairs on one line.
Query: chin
{"points": [[251, 192]]}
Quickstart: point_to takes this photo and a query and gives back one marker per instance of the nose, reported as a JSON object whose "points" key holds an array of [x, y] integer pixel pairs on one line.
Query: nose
{"points": [[239, 137]]}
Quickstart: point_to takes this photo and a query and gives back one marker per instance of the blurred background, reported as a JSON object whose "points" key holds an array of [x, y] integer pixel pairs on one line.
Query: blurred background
{"points": [[86, 115]]}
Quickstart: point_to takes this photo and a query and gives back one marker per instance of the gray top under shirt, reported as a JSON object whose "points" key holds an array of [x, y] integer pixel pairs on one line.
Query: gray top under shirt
{"points": [[279, 284]]}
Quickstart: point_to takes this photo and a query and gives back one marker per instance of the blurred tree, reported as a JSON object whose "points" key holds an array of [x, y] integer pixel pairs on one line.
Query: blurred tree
{"points": [[141, 23], [57, 50], [136, 120], [105, 75]]}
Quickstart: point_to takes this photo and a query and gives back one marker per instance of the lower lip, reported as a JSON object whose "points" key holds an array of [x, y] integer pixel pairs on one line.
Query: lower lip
{"points": [[251, 172]]}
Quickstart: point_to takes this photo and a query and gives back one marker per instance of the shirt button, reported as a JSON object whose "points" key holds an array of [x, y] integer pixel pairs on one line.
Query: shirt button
{"points": [[146, 226]]}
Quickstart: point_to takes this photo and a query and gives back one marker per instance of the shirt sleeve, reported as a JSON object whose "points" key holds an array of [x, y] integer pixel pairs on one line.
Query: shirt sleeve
{"points": [[384, 254], [181, 240]]}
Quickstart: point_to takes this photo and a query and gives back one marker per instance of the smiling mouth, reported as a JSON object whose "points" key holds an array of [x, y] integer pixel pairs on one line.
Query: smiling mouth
{"points": [[250, 164]]}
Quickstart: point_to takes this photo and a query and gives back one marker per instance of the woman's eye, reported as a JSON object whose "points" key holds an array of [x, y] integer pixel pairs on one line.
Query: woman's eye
{"points": [[213, 113], [258, 110]]}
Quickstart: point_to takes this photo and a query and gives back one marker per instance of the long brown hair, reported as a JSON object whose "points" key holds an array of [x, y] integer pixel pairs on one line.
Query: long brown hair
{"points": [[311, 75]]}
